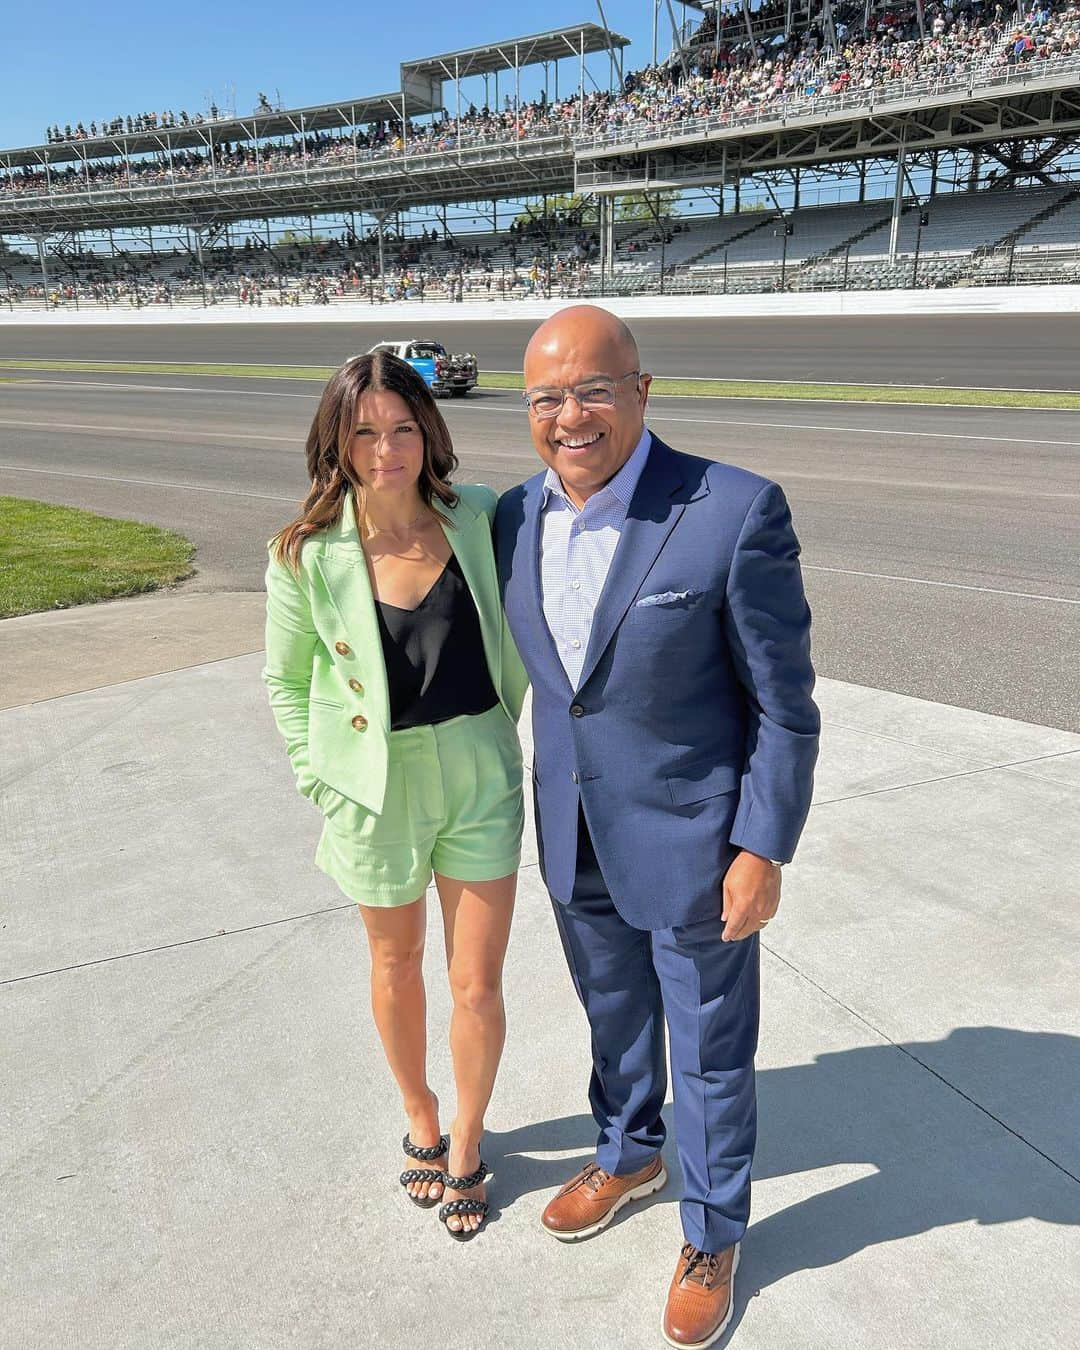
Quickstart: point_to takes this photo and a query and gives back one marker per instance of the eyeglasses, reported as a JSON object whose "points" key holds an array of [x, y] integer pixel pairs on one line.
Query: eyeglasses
{"points": [[598, 393]]}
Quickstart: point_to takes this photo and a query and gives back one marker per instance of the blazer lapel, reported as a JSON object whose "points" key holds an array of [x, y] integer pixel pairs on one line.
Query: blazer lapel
{"points": [[651, 517], [469, 536]]}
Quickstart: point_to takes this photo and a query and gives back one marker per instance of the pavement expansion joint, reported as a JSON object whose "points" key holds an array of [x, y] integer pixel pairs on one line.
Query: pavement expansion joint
{"points": [[935, 1073], [171, 946], [857, 730], [202, 937], [926, 782]]}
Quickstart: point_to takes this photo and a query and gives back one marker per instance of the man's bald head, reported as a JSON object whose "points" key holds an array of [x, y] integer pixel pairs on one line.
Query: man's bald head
{"points": [[584, 326], [589, 350]]}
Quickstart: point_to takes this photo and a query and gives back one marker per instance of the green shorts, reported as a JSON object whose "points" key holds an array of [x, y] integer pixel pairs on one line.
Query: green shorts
{"points": [[453, 805]]}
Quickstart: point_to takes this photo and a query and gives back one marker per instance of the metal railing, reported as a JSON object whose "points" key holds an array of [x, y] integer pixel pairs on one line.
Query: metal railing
{"points": [[905, 272], [222, 183], [980, 79], [493, 151]]}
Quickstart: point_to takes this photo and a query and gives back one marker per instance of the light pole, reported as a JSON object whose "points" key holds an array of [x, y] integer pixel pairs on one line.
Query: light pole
{"points": [[788, 229], [924, 219]]}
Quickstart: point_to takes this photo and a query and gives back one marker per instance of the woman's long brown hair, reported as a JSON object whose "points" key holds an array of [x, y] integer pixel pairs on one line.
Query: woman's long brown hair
{"points": [[329, 440]]}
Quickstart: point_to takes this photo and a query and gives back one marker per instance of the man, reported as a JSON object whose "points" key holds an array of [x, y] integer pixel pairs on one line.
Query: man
{"points": [[657, 603]]}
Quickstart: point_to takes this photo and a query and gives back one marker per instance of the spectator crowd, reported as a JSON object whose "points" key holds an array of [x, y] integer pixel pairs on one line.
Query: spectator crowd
{"points": [[533, 259], [721, 72], [117, 126]]}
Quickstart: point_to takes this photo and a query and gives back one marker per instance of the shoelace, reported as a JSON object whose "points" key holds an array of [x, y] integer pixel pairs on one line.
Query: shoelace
{"points": [[595, 1177], [701, 1267]]}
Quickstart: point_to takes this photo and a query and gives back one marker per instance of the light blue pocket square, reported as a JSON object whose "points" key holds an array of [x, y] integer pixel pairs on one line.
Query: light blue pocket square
{"points": [[666, 598]]}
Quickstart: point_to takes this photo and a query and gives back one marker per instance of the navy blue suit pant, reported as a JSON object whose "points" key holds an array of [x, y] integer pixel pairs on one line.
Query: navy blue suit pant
{"points": [[630, 982]]}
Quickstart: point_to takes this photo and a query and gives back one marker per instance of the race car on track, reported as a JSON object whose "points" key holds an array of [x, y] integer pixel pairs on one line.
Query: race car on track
{"points": [[443, 373]]}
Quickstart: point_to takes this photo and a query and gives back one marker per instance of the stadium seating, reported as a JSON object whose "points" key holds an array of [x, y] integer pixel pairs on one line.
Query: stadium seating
{"points": [[971, 238]]}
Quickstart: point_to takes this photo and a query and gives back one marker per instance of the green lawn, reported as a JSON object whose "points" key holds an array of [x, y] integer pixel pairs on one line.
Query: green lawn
{"points": [[52, 557]]}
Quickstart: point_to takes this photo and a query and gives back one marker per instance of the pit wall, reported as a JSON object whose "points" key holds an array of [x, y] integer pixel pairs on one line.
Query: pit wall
{"points": [[965, 300]]}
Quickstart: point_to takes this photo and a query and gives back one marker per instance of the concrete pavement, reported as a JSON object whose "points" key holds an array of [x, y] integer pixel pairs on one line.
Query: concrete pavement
{"points": [[64, 651], [200, 1136]]}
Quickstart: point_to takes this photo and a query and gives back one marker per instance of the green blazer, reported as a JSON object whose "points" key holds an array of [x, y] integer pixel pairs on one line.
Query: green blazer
{"points": [[324, 662]]}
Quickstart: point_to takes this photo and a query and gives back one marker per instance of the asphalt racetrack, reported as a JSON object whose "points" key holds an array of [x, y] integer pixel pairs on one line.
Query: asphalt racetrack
{"points": [[1020, 351], [941, 546]]}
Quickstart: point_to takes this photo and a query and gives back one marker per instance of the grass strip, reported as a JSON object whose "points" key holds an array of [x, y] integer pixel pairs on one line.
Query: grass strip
{"points": [[782, 390], [833, 393], [53, 557]]}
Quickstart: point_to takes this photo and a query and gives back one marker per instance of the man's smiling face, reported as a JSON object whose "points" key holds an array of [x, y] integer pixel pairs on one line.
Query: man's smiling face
{"points": [[586, 446]]}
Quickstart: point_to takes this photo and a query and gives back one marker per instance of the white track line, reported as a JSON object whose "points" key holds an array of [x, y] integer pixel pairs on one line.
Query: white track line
{"points": [[165, 433], [167, 388], [147, 482], [870, 431], [862, 431], [713, 421], [270, 497], [948, 585], [150, 431], [660, 417], [655, 374], [689, 421]]}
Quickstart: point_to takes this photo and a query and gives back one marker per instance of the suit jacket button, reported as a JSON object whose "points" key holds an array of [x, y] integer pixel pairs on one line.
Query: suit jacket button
{"points": [[359, 722], [575, 778], [576, 710], [342, 649], [356, 686]]}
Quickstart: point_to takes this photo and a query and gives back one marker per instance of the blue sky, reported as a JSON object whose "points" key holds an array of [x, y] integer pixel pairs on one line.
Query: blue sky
{"points": [[65, 61]]}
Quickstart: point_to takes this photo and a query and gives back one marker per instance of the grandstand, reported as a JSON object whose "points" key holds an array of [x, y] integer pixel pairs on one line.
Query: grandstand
{"points": [[784, 145]]}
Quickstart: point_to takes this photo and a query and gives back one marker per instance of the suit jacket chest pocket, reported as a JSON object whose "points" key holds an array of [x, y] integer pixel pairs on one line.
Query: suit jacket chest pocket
{"points": [[669, 618]]}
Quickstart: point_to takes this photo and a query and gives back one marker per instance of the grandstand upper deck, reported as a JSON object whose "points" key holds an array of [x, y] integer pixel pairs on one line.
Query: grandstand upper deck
{"points": [[420, 95], [580, 40], [341, 114], [860, 91]]}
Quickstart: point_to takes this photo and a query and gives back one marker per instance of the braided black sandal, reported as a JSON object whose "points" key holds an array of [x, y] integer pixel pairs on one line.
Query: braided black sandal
{"points": [[467, 1205], [429, 1174]]}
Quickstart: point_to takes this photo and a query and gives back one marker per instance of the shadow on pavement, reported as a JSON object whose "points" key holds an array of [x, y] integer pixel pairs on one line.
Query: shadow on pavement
{"points": [[938, 1158]]}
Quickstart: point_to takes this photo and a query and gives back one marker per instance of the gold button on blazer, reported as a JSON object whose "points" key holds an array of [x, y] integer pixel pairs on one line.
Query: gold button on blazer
{"points": [[324, 663]]}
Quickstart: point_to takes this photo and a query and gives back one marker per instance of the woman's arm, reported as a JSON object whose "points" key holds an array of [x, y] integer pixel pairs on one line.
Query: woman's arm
{"points": [[290, 653]]}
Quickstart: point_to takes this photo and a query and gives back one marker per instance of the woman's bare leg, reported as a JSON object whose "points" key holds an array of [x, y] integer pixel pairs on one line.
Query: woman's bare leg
{"points": [[399, 1002], [476, 922]]}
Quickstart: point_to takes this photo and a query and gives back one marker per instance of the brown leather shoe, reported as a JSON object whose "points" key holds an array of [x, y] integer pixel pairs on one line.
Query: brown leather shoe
{"points": [[701, 1298], [590, 1200]]}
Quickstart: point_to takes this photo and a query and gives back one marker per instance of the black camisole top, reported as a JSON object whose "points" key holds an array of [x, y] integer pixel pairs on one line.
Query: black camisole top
{"points": [[434, 655]]}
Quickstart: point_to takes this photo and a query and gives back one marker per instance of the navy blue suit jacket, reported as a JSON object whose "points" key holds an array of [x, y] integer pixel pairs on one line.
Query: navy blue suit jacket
{"points": [[692, 732]]}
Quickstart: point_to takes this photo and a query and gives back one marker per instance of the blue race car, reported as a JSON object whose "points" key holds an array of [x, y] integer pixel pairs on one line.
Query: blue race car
{"points": [[443, 373]]}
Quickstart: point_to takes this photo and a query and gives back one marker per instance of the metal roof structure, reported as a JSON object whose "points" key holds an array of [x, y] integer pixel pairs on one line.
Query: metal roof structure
{"points": [[471, 173], [581, 39], [198, 135], [986, 109]]}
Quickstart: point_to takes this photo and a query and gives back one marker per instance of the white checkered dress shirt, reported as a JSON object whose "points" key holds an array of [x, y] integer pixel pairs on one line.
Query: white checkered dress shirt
{"points": [[576, 549]]}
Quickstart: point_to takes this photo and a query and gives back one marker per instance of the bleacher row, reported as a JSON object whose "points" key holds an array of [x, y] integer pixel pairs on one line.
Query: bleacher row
{"points": [[962, 238]]}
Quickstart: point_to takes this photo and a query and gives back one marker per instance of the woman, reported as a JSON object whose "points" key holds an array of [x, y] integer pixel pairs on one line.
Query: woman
{"points": [[396, 686]]}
